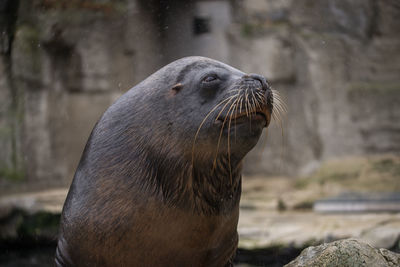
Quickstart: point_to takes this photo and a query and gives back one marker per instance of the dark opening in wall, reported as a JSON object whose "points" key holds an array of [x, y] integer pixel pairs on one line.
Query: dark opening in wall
{"points": [[201, 25]]}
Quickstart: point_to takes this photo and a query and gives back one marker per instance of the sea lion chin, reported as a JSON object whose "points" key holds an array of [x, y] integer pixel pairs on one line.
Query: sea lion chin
{"points": [[159, 181]]}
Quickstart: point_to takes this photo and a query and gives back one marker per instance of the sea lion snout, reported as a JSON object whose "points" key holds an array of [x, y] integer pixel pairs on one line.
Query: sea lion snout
{"points": [[264, 86], [253, 97], [258, 82]]}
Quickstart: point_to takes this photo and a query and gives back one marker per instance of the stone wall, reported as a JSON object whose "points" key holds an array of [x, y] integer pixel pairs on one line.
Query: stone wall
{"points": [[338, 65], [69, 60], [64, 62]]}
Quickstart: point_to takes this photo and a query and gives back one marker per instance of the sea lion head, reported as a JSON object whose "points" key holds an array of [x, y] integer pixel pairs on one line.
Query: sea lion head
{"points": [[198, 108]]}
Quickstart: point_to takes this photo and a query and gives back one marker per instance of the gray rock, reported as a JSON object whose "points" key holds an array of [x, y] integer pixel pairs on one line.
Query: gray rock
{"points": [[383, 236], [343, 253]]}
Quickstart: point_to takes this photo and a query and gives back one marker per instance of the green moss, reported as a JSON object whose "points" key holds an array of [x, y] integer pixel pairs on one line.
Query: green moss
{"points": [[326, 176], [12, 174], [257, 29], [281, 205], [305, 205], [318, 36], [374, 87], [28, 47], [5, 132], [301, 183], [29, 36], [387, 166], [248, 30], [337, 177]]}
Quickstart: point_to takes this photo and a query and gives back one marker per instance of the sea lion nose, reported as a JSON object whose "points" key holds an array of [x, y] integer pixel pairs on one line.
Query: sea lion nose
{"points": [[261, 79]]}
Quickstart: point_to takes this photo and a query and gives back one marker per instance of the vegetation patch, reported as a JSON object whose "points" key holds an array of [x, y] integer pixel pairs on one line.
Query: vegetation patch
{"points": [[41, 224], [372, 174], [12, 174], [304, 205]]}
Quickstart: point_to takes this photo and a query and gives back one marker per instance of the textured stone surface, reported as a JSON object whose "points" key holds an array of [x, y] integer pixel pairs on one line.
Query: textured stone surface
{"points": [[337, 49], [68, 65], [5, 117], [349, 252]]}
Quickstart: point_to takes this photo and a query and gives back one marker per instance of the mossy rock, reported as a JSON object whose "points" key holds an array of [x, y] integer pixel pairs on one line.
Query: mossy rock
{"points": [[27, 53]]}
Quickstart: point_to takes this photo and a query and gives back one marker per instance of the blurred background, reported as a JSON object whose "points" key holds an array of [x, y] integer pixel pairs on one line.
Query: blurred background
{"points": [[330, 170]]}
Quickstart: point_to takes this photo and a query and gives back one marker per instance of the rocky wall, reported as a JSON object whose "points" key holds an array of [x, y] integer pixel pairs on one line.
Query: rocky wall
{"points": [[69, 60], [337, 64]]}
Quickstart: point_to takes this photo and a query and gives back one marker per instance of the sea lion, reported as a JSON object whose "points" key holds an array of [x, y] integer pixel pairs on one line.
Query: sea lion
{"points": [[159, 181]]}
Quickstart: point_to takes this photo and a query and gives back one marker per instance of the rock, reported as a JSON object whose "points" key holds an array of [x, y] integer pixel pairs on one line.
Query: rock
{"points": [[376, 130], [6, 129], [383, 236], [342, 253]]}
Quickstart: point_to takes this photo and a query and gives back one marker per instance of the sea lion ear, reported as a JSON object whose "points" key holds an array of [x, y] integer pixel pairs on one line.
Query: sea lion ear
{"points": [[176, 88]]}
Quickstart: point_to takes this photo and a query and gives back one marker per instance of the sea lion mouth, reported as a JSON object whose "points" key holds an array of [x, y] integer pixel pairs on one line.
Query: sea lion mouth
{"points": [[245, 117], [250, 101]]}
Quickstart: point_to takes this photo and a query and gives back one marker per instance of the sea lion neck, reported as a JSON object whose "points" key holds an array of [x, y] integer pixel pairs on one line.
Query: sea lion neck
{"points": [[212, 188]]}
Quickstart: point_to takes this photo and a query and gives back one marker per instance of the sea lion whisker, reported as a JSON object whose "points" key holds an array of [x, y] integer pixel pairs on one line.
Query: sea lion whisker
{"points": [[236, 108], [246, 103], [241, 103], [233, 90], [277, 116], [229, 148], [223, 108], [220, 135], [261, 98], [251, 109], [255, 103], [280, 103], [278, 98], [205, 118], [279, 112]]}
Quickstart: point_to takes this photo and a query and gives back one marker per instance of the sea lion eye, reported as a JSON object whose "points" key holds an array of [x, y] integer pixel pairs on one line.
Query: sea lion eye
{"points": [[210, 78]]}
